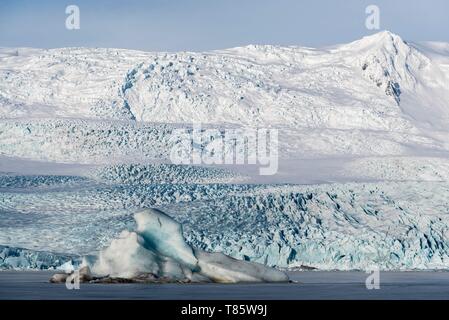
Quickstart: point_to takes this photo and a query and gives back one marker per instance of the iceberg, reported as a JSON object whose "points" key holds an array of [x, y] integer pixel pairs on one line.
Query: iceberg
{"points": [[158, 250]]}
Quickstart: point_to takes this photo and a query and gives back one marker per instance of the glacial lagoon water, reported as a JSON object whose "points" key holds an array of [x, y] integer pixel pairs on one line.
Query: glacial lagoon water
{"points": [[308, 285]]}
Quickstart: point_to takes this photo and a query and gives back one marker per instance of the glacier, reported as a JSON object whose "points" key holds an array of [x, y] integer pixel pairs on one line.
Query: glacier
{"points": [[395, 225], [20, 259], [363, 177]]}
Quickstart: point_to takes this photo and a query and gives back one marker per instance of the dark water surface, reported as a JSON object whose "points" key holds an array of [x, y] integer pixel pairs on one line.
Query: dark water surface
{"points": [[310, 285]]}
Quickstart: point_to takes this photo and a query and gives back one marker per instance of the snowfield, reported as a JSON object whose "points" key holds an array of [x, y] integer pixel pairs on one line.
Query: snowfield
{"points": [[363, 177]]}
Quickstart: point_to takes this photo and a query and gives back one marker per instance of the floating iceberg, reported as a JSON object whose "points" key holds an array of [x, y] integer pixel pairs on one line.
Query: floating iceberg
{"points": [[158, 248]]}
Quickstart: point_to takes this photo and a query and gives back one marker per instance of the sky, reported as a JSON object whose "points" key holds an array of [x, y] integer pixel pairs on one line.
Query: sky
{"points": [[197, 25]]}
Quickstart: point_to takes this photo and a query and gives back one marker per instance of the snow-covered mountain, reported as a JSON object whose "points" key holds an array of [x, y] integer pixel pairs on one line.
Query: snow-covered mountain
{"points": [[358, 85], [365, 124], [378, 96]]}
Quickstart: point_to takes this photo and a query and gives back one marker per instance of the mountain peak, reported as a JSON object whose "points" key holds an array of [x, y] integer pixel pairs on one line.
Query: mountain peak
{"points": [[388, 61], [381, 40], [385, 35]]}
